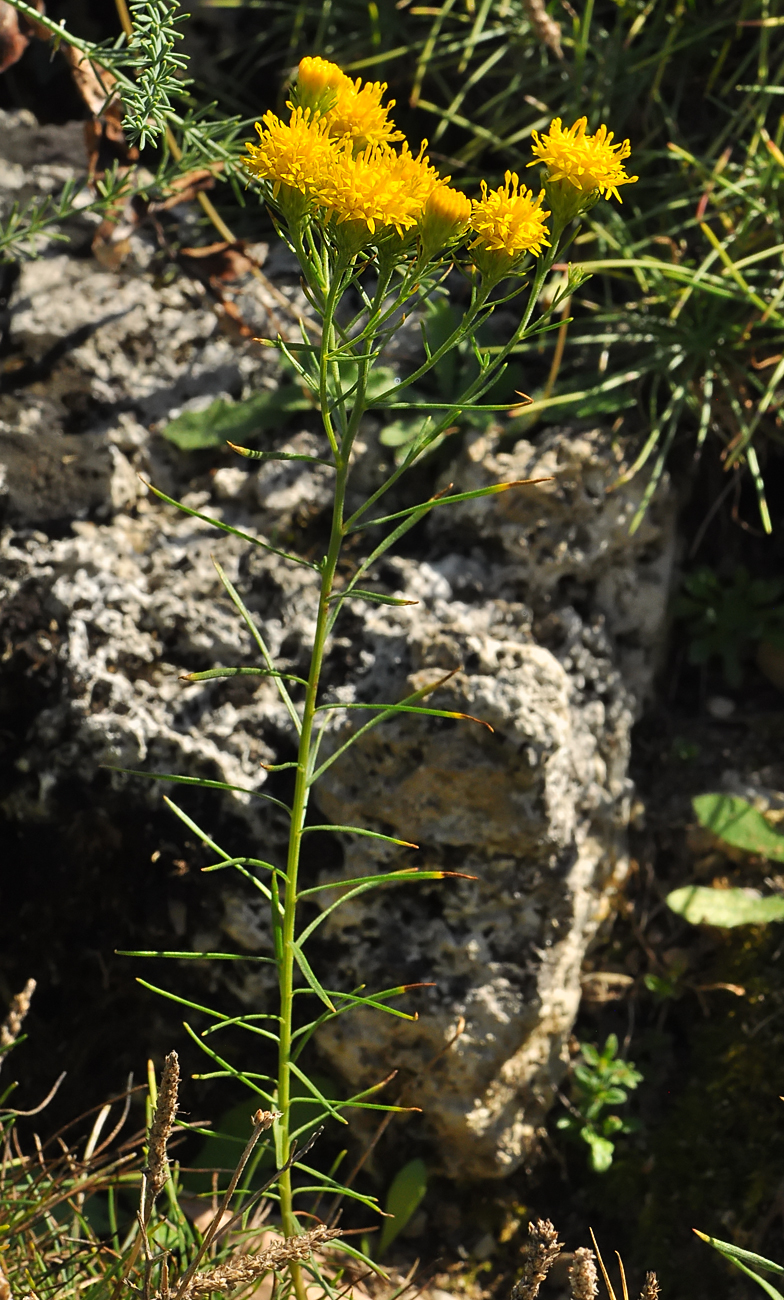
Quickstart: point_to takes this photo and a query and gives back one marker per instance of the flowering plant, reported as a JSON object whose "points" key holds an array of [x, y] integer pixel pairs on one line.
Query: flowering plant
{"points": [[377, 233]]}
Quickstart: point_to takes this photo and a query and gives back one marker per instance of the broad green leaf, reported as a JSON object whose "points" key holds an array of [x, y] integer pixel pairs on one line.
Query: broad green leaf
{"points": [[601, 1150], [735, 821], [403, 1199], [700, 904], [222, 421]]}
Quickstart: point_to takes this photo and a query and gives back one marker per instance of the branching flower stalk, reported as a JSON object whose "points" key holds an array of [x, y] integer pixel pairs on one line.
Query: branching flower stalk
{"points": [[377, 233]]}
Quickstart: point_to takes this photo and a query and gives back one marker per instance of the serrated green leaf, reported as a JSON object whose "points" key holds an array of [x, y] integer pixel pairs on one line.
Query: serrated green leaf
{"points": [[403, 1199], [223, 421], [734, 820], [700, 904]]}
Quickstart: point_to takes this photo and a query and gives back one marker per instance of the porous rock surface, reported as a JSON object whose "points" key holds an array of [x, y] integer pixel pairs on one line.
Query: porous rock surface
{"points": [[546, 613]]}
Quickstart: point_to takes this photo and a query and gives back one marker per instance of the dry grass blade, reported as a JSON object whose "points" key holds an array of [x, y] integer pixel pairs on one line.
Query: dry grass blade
{"points": [[160, 1131], [244, 1269], [583, 1278], [543, 1250]]}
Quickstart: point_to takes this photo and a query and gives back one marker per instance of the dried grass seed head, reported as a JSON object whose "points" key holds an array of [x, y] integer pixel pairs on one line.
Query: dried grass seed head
{"points": [[20, 1005], [160, 1129], [244, 1269], [651, 1289], [583, 1278], [543, 1250]]}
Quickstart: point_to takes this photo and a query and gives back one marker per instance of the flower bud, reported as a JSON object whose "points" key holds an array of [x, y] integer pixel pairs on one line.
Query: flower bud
{"points": [[444, 219], [318, 83]]}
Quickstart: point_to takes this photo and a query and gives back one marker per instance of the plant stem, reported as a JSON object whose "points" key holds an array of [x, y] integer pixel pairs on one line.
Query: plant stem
{"points": [[301, 790]]}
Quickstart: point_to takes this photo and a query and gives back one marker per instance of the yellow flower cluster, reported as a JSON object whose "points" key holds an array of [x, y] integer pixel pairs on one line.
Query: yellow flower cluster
{"points": [[336, 156], [587, 162], [509, 220]]}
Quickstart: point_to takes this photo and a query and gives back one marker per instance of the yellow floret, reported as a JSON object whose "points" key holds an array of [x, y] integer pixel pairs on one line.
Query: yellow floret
{"points": [[295, 153], [588, 162], [509, 220], [359, 113], [378, 187]]}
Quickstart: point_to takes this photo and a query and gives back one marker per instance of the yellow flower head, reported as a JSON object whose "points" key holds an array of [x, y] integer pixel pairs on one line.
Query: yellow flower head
{"points": [[359, 113], [377, 187], [444, 218], [509, 220], [318, 84], [588, 162], [295, 153]]}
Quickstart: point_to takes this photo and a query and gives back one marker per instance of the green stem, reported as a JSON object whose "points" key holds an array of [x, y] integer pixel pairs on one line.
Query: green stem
{"points": [[301, 787]]}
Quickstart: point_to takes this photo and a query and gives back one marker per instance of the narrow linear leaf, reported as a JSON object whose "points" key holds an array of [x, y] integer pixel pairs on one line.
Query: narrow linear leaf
{"points": [[226, 528], [241, 672], [226, 1065], [260, 642], [307, 971], [421, 694], [403, 1200], [492, 490], [184, 1002], [190, 823], [360, 830], [737, 1252], [381, 879], [192, 956], [407, 708], [203, 784], [317, 1095], [250, 454], [359, 593]]}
